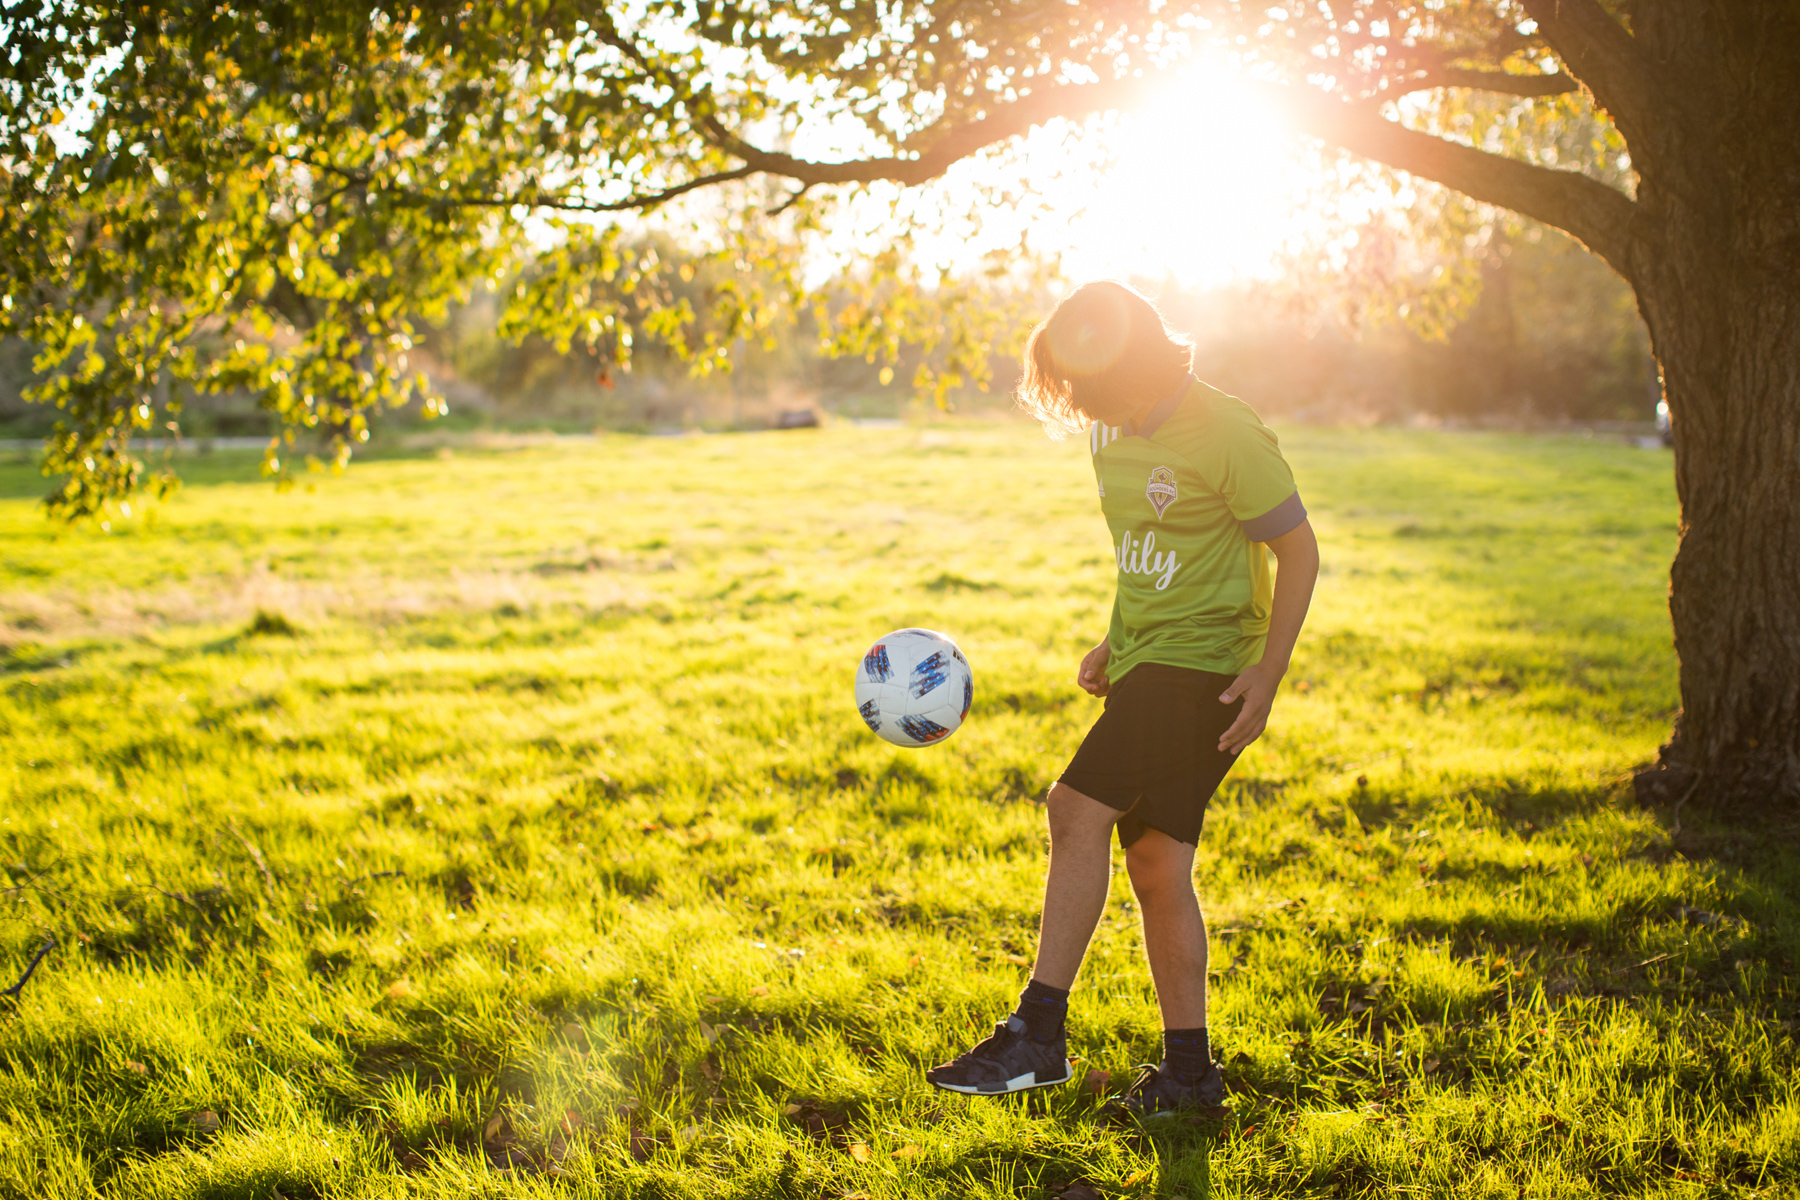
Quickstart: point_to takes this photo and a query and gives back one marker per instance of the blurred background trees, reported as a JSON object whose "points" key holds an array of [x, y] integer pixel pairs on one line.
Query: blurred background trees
{"points": [[1546, 335]]}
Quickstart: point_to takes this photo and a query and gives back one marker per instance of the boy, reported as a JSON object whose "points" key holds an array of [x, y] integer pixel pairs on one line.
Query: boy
{"points": [[1193, 487]]}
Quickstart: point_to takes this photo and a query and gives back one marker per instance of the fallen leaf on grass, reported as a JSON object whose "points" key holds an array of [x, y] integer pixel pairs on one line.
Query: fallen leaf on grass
{"points": [[400, 989], [576, 1036], [912, 1151], [710, 1032], [204, 1122], [642, 1146], [759, 991], [135, 1067], [1094, 1082], [820, 1126], [497, 1133], [859, 1151], [500, 1142], [513, 1158], [568, 1131], [1135, 1178], [712, 999]]}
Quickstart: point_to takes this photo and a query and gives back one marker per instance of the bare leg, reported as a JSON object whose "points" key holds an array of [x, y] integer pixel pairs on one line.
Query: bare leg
{"points": [[1075, 888], [1162, 875]]}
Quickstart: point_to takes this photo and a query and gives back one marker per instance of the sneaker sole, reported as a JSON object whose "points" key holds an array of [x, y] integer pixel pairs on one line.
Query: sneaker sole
{"points": [[1202, 1106], [1205, 1111], [1199, 1108], [1015, 1084]]}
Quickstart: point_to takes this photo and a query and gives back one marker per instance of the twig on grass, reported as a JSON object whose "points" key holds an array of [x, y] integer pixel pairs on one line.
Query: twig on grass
{"points": [[31, 884], [177, 897], [375, 875], [255, 856], [1675, 816], [15, 989]]}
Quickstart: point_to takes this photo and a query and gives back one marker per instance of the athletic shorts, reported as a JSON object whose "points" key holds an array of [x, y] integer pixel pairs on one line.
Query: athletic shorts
{"points": [[1154, 753]]}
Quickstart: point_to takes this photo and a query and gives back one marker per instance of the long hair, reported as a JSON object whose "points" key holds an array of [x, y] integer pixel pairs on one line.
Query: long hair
{"points": [[1105, 341]]}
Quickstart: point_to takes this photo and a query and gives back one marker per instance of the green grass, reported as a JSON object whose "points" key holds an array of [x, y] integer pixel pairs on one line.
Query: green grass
{"points": [[519, 793]]}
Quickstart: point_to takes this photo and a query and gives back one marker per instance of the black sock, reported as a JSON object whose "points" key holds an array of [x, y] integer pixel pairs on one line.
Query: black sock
{"points": [[1188, 1053], [1043, 1009]]}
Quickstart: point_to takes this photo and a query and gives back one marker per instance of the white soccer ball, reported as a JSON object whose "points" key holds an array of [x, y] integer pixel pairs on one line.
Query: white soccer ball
{"points": [[914, 687]]}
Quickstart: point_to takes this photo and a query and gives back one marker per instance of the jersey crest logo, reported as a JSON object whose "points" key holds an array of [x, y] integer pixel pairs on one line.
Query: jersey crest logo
{"points": [[1161, 490]]}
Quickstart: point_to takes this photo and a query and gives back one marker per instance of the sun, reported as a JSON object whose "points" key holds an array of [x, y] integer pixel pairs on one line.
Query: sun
{"points": [[1203, 183]]}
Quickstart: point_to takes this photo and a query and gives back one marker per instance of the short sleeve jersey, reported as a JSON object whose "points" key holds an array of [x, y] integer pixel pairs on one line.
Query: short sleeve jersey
{"points": [[1190, 497]]}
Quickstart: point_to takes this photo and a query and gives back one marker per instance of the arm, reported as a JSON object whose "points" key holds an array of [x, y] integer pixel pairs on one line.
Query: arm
{"points": [[1091, 678], [1297, 569]]}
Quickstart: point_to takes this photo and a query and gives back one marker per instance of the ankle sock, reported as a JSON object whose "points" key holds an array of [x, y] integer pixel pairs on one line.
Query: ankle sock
{"points": [[1043, 1009], [1188, 1053]]}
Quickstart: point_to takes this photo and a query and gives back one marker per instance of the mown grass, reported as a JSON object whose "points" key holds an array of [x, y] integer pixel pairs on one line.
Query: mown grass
{"points": [[499, 824]]}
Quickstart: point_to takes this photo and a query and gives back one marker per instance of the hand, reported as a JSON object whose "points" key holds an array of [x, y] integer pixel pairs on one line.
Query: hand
{"points": [[1257, 687], [1092, 675]]}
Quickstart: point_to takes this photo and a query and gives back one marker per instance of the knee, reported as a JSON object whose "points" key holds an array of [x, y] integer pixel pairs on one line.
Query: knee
{"points": [[1159, 872], [1076, 818]]}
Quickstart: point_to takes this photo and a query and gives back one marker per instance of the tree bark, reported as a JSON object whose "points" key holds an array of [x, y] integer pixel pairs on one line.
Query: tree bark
{"points": [[1718, 283]]}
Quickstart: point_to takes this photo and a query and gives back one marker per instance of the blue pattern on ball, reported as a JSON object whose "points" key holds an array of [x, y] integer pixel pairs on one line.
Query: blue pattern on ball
{"points": [[922, 729], [875, 665], [928, 674], [871, 714]]}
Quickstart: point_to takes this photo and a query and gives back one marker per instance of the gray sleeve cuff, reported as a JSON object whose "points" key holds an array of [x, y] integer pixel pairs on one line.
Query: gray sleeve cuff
{"points": [[1281, 519]]}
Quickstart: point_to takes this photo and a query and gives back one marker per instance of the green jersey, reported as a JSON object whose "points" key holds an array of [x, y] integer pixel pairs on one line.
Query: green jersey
{"points": [[1191, 495]]}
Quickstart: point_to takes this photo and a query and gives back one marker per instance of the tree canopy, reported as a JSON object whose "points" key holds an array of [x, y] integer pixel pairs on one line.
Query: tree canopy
{"points": [[270, 199]]}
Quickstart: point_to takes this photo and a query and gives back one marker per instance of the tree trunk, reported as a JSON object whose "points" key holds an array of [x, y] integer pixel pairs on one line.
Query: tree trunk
{"points": [[1718, 282], [1732, 377]]}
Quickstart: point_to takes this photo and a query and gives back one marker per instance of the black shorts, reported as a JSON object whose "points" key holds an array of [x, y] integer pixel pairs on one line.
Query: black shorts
{"points": [[1154, 753]]}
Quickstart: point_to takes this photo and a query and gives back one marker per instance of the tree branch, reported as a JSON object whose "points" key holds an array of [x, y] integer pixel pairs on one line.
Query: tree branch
{"points": [[638, 201], [1598, 51], [1600, 217], [952, 144], [1504, 83], [1597, 215]]}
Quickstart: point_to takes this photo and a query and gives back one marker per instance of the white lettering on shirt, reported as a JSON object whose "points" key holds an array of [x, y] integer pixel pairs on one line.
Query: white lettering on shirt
{"points": [[1141, 557]]}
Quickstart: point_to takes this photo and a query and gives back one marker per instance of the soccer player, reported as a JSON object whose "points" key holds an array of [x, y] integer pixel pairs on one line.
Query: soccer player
{"points": [[1194, 487]]}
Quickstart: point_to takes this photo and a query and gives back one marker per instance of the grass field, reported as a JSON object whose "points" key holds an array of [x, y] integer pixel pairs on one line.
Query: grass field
{"points": [[497, 823]]}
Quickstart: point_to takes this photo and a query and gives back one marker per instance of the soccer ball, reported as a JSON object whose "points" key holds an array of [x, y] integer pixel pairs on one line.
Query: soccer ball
{"points": [[913, 687]]}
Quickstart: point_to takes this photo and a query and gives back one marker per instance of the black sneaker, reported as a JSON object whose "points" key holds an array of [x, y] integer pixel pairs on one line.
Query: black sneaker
{"points": [[1006, 1062], [1156, 1092]]}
